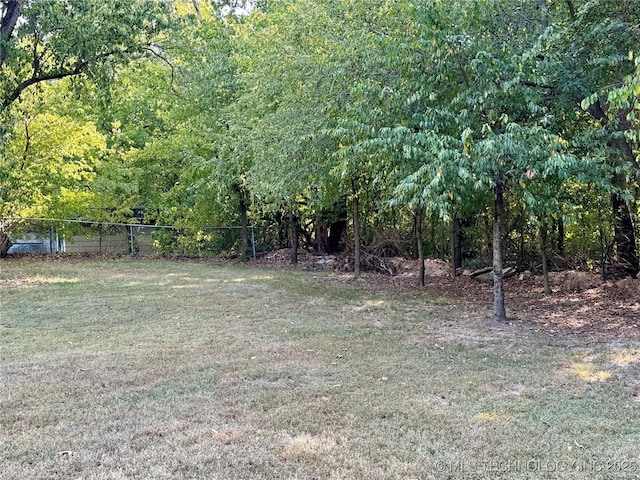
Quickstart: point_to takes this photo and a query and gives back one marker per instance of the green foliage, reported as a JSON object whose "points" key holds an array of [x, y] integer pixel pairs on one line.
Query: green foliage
{"points": [[164, 117], [196, 242], [56, 39], [52, 145], [295, 105], [50, 159]]}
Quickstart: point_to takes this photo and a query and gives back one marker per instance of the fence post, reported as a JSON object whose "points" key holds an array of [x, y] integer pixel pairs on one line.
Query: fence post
{"points": [[132, 249], [51, 240]]}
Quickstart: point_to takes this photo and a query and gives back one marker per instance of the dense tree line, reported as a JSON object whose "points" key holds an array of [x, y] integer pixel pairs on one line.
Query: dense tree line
{"points": [[483, 131]]}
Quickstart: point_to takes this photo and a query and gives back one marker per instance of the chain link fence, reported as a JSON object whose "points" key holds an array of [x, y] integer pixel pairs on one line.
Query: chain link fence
{"points": [[46, 235]]}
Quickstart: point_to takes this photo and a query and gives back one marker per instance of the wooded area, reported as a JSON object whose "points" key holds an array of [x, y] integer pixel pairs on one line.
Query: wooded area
{"points": [[488, 132]]}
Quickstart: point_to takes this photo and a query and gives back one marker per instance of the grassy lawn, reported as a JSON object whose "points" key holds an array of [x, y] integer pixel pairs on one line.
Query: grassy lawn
{"points": [[153, 369]]}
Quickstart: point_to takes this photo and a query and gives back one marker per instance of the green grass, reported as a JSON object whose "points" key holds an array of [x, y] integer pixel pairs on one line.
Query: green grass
{"points": [[153, 369]]}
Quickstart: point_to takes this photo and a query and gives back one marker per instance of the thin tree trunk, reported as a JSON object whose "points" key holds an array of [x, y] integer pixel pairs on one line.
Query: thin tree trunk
{"points": [[572, 10], [456, 245], [293, 223], [27, 145], [443, 243], [432, 237], [544, 20], [356, 236], [419, 240], [283, 230], [244, 228], [542, 232], [196, 6], [561, 236], [499, 312], [522, 227], [603, 252]]}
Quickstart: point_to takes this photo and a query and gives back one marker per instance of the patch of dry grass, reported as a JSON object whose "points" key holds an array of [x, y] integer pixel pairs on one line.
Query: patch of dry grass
{"points": [[153, 369]]}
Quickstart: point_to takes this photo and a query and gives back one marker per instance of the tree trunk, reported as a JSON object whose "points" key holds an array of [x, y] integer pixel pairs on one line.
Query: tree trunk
{"points": [[603, 250], [419, 240], [625, 236], [11, 14], [356, 237], [5, 244], [521, 245], [322, 235], [542, 232], [456, 245], [499, 312], [244, 228], [337, 228], [433, 245], [330, 227], [561, 236], [293, 223], [572, 10], [283, 229], [544, 19]]}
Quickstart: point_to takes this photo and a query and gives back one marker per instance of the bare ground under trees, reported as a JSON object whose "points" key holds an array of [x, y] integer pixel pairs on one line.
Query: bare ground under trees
{"points": [[581, 303]]}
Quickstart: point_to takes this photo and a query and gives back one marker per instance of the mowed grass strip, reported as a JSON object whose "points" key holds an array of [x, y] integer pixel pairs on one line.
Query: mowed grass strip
{"points": [[153, 369]]}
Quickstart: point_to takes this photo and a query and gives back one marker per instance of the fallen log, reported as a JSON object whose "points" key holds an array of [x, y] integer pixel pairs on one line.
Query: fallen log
{"points": [[487, 273]]}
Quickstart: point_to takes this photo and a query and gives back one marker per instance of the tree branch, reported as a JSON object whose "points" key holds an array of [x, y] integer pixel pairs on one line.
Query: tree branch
{"points": [[528, 83], [156, 53], [27, 144], [572, 10], [56, 75], [37, 79], [36, 57]]}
